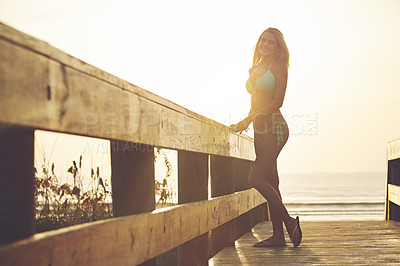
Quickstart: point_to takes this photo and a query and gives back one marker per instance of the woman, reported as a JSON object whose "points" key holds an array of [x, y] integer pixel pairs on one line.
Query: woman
{"points": [[267, 85]]}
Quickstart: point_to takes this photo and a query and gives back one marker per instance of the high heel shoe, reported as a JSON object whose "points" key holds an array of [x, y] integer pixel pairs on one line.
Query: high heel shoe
{"points": [[296, 234]]}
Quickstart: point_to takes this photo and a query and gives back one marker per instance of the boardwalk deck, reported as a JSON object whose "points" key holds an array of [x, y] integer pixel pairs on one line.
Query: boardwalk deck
{"points": [[330, 242]]}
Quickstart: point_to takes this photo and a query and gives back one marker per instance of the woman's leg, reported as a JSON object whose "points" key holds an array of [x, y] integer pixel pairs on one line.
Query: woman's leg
{"points": [[277, 225], [278, 237], [267, 152]]}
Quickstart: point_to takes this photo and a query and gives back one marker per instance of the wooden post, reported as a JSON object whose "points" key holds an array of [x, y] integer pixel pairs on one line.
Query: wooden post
{"points": [[17, 211], [241, 170], [193, 186], [259, 214], [221, 184], [392, 209], [132, 179]]}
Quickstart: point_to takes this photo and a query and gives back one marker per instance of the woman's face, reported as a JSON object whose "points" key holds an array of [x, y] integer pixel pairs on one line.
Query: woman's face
{"points": [[268, 46]]}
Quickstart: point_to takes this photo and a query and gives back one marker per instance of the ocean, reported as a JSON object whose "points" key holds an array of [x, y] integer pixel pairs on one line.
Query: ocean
{"points": [[334, 196]]}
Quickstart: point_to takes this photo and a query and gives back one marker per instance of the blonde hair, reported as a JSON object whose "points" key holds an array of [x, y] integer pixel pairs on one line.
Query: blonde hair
{"points": [[281, 57]]}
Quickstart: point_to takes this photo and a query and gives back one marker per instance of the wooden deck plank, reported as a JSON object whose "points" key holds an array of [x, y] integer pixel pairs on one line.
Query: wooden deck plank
{"points": [[324, 242]]}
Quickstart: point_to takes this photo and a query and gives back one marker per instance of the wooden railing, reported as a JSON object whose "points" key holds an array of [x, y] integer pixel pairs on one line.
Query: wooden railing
{"points": [[44, 88], [393, 181]]}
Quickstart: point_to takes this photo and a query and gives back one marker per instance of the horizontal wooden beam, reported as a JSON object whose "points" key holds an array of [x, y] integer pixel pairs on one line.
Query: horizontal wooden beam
{"points": [[45, 88], [130, 239], [394, 194], [393, 149]]}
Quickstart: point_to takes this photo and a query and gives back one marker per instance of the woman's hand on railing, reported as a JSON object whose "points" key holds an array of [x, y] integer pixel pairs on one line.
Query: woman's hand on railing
{"points": [[239, 127]]}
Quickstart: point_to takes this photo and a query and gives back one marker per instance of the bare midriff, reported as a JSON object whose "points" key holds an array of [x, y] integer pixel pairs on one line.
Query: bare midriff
{"points": [[263, 121]]}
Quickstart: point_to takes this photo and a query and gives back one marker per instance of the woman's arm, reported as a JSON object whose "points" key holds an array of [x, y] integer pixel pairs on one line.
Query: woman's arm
{"points": [[242, 125]]}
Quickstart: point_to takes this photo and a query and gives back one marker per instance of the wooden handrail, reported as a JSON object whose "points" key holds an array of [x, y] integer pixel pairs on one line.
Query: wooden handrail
{"points": [[393, 149], [392, 205], [138, 237], [394, 193], [42, 87], [61, 93]]}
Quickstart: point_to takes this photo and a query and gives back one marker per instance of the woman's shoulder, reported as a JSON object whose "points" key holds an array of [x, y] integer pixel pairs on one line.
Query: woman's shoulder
{"points": [[279, 69], [279, 66]]}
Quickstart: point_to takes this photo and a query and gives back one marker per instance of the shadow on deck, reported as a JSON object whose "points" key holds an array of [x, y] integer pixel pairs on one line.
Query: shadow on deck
{"points": [[324, 242]]}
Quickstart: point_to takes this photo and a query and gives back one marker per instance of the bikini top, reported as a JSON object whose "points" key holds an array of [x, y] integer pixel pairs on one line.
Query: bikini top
{"points": [[266, 83]]}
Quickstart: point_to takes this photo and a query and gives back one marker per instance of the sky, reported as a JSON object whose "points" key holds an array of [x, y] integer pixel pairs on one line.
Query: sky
{"points": [[342, 96]]}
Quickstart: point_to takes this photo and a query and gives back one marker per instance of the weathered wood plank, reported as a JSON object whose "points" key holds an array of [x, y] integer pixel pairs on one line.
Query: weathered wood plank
{"points": [[259, 214], [392, 209], [42, 87], [129, 239], [132, 178], [192, 176], [394, 193], [324, 242], [193, 186], [241, 170], [43, 48], [393, 149], [221, 184]]}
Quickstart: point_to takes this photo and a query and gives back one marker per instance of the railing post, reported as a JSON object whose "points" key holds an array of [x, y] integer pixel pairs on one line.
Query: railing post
{"points": [[132, 179], [221, 184], [193, 186], [17, 210], [241, 170], [393, 177], [259, 214]]}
